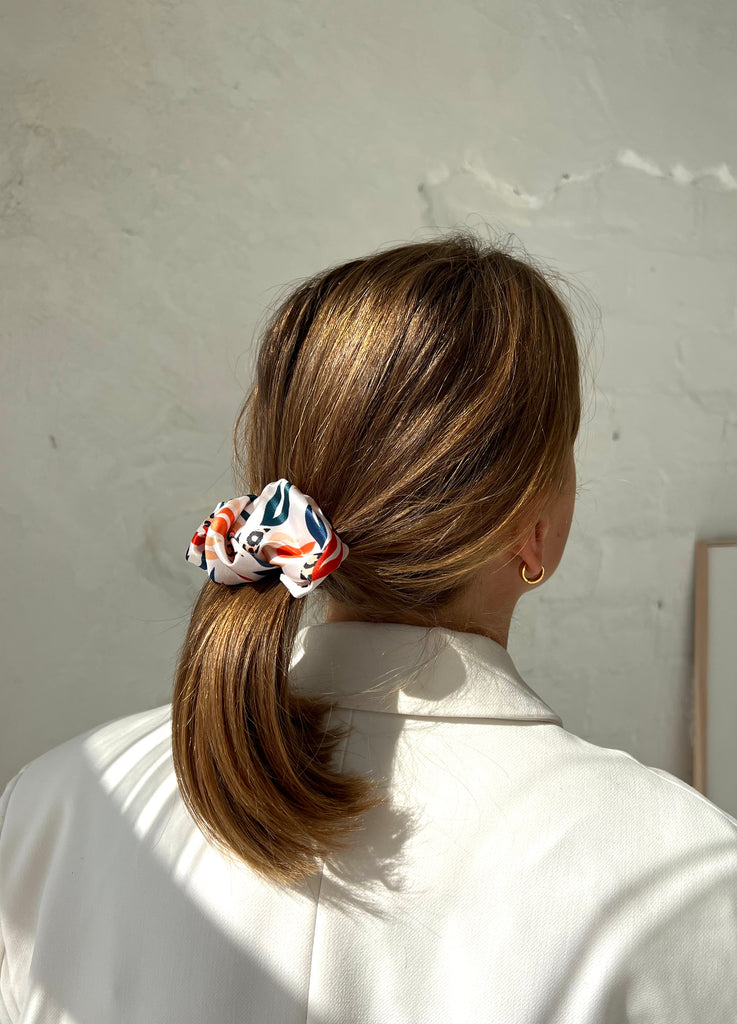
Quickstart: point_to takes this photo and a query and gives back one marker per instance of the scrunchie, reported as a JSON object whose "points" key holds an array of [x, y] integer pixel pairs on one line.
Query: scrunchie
{"points": [[248, 538]]}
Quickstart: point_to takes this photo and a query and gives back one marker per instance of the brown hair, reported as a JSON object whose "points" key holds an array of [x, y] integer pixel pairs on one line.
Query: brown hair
{"points": [[427, 397]]}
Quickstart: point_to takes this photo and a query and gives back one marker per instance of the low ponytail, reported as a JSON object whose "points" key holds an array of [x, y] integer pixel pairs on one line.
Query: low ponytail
{"points": [[428, 398], [252, 758]]}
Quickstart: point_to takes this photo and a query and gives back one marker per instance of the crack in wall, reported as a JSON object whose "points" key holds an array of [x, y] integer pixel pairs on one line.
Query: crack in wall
{"points": [[513, 196], [678, 173]]}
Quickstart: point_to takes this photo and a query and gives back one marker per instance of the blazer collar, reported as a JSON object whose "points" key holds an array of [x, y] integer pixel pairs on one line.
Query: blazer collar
{"points": [[413, 670]]}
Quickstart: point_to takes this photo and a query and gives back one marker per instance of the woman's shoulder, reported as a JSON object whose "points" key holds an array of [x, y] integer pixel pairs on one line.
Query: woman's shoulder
{"points": [[117, 746], [622, 784]]}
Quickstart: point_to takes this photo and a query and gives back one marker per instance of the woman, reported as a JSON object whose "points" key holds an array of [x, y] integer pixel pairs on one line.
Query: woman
{"points": [[373, 819]]}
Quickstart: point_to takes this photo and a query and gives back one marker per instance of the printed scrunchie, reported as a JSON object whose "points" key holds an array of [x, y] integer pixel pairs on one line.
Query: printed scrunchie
{"points": [[248, 538]]}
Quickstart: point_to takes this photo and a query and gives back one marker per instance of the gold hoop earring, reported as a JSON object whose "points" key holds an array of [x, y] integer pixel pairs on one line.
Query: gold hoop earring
{"points": [[523, 574]]}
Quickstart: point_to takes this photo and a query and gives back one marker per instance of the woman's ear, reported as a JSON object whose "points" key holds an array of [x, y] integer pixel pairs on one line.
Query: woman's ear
{"points": [[530, 550]]}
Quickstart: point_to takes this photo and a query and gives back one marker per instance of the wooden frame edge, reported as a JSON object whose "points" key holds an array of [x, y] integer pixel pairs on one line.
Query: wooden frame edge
{"points": [[701, 657]]}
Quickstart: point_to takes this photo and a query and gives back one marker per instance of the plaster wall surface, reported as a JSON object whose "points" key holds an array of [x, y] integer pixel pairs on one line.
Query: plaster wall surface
{"points": [[167, 168]]}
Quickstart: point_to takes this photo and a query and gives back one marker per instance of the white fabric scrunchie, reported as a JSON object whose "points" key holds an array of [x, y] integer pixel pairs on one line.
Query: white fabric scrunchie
{"points": [[247, 538]]}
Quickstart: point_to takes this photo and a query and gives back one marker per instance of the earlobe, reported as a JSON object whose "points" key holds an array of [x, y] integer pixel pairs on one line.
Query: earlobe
{"points": [[523, 574]]}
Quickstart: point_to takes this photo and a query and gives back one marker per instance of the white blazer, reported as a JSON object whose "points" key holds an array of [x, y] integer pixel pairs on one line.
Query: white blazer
{"points": [[519, 874]]}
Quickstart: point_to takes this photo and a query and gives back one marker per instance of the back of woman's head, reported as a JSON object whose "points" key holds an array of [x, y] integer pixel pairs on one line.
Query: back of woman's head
{"points": [[427, 397]]}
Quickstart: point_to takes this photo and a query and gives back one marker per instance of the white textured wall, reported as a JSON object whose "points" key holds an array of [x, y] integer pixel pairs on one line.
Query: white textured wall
{"points": [[165, 168]]}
